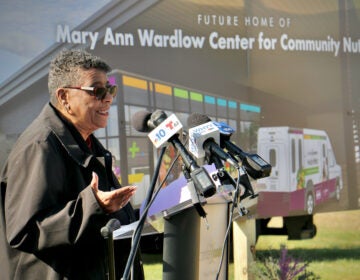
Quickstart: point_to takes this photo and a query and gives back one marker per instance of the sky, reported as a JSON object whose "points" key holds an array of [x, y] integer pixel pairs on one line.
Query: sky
{"points": [[28, 27]]}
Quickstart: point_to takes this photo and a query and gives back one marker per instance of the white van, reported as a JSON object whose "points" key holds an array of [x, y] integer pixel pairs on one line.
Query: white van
{"points": [[304, 170]]}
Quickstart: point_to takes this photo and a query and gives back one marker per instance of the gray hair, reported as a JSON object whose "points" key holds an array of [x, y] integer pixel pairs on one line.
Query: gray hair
{"points": [[64, 68]]}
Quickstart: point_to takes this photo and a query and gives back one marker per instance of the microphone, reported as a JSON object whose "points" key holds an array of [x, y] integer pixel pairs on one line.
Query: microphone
{"points": [[204, 134], [111, 225], [165, 129], [203, 138], [255, 165], [141, 121], [107, 233], [161, 127]]}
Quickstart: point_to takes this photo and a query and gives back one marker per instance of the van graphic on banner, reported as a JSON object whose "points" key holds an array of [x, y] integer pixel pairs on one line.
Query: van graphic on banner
{"points": [[304, 170]]}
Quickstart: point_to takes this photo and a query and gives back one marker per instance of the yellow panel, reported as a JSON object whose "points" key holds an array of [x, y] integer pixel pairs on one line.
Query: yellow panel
{"points": [[135, 178], [160, 88], [134, 82]]}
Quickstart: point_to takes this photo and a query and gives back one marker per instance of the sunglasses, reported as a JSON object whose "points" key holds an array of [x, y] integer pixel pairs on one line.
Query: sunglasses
{"points": [[99, 92]]}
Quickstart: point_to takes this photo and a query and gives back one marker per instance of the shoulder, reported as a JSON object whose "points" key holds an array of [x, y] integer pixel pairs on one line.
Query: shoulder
{"points": [[40, 134]]}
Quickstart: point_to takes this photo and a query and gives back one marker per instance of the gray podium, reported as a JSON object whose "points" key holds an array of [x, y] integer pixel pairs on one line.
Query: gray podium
{"points": [[192, 245]]}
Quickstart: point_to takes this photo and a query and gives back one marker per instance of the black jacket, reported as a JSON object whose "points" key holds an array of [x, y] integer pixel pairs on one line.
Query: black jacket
{"points": [[50, 220]]}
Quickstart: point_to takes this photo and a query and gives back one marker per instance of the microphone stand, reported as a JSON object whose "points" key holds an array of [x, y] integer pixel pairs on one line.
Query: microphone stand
{"points": [[182, 234], [225, 178], [137, 232], [107, 232], [223, 175], [249, 191], [193, 193]]}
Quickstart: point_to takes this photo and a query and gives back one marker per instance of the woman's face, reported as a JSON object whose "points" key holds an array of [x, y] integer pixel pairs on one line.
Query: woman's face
{"points": [[86, 112]]}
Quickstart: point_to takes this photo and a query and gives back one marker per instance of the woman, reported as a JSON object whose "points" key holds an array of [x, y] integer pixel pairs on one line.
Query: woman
{"points": [[57, 187]]}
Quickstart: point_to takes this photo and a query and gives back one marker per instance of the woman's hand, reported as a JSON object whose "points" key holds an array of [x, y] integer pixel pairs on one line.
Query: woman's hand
{"points": [[111, 201]]}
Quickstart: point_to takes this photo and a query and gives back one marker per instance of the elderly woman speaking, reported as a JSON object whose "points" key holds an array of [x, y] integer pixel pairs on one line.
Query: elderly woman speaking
{"points": [[57, 187]]}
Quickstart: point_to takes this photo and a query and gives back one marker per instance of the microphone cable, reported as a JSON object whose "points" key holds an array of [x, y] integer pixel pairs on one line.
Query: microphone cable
{"points": [[227, 233], [146, 209], [148, 202]]}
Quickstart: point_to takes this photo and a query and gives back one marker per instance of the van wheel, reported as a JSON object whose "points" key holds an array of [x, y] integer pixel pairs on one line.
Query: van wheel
{"points": [[309, 207]]}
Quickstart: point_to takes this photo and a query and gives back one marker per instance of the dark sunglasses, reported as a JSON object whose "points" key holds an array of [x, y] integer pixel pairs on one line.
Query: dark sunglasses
{"points": [[99, 92]]}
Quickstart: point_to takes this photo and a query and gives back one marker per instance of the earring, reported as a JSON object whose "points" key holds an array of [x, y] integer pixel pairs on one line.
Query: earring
{"points": [[67, 106]]}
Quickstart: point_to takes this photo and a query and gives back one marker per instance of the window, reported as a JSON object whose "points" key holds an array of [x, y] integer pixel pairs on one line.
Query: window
{"points": [[272, 157], [293, 156]]}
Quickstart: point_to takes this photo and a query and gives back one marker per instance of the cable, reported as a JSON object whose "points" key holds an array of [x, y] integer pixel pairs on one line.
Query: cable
{"points": [[234, 202], [136, 237], [148, 202]]}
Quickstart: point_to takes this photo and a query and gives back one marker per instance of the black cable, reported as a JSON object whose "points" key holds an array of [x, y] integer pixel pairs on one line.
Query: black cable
{"points": [[148, 202], [146, 209], [136, 237], [227, 233]]}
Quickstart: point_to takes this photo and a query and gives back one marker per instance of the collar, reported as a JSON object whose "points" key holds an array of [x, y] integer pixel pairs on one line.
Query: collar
{"points": [[67, 135]]}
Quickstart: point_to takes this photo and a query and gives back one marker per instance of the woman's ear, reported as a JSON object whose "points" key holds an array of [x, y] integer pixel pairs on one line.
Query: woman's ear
{"points": [[62, 98]]}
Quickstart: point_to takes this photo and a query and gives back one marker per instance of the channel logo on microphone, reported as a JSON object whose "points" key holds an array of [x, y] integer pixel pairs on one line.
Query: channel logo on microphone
{"points": [[224, 128], [199, 134], [160, 135]]}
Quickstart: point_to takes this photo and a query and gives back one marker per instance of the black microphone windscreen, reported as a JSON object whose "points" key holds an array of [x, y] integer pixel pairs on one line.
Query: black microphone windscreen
{"points": [[140, 121], [196, 119]]}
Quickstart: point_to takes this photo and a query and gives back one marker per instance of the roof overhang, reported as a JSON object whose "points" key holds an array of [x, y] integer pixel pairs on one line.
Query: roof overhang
{"points": [[113, 15]]}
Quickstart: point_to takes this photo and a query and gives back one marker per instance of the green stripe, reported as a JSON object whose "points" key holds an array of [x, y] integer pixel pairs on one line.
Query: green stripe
{"points": [[195, 96], [311, 170], [181, 93], [317, 137]]}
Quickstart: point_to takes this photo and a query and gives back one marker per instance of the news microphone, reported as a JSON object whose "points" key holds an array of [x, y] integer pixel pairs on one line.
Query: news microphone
{"points": [[255, 165], [111, 225], [165, 129], [203, 138], [141, 121], [160, 130]]}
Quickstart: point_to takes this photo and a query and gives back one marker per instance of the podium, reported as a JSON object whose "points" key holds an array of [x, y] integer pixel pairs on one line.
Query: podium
{"points": [[192, 245]]}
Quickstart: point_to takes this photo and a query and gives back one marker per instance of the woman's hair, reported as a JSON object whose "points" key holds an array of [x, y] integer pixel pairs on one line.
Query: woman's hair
{"points": [[64, 68]]}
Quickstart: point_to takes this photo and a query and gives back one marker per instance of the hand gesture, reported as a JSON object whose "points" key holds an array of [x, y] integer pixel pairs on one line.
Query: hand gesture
{"points": [[111, 201]]}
